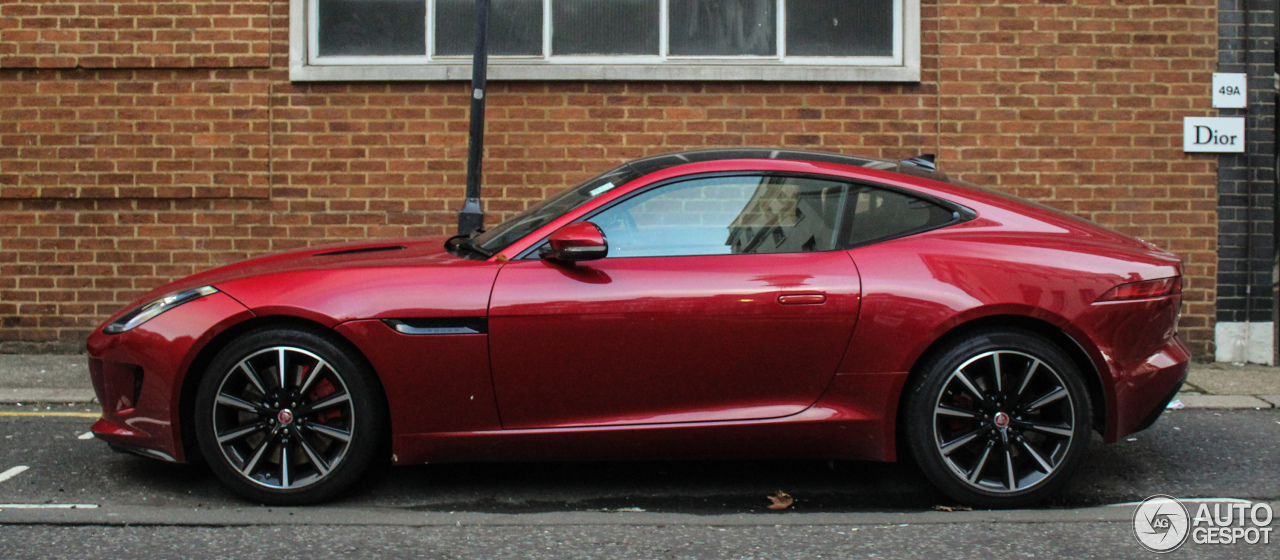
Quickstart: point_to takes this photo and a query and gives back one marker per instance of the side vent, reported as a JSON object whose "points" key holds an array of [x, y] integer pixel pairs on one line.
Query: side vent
{"points": [[439, 325], [361, 250]]}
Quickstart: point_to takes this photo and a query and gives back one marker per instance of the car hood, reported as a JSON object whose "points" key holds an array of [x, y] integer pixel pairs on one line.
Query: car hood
{"points": [[400, 278], [362, 254]]}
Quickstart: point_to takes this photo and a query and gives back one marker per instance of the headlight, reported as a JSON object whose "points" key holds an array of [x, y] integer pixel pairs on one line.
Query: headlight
{"points": [[150, 310]]}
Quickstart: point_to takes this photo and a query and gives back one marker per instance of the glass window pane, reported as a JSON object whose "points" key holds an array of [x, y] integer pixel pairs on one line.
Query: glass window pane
{"points": [[840, 27], [605, 27], [880, 214], [373, 27], [515, 27], [723, 27], [727, 215]]}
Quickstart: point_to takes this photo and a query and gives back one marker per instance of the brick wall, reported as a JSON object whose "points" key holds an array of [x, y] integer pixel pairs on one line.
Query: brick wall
{"points": [[134, 33], [132, 134], [115, 180]]}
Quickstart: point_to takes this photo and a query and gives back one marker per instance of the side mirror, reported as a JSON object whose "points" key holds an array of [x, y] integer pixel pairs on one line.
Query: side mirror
{"points": [[581, 241]]}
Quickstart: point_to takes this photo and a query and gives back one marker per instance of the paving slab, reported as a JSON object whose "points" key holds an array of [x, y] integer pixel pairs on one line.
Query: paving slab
{"points": [[1229, 379], [24, 396], [1222, 401], [48, 371]]}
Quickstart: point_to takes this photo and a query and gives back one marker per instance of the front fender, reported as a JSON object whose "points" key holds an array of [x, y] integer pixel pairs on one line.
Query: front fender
{"points": [[138, 374]]}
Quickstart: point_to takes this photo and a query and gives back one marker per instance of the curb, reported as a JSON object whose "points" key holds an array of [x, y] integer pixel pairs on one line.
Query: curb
{"points": [[258, 516]]}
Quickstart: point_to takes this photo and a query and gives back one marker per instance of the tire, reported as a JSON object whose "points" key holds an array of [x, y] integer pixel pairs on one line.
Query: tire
{"points": [[998, 444], [302, 444]]}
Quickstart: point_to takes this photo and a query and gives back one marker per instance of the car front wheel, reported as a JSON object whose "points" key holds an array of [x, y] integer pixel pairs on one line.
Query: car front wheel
{"points": [[999, 419], [288, 416]]}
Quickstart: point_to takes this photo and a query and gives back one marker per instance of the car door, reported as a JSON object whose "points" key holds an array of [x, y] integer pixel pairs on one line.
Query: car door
{"points": [[722, 298]]}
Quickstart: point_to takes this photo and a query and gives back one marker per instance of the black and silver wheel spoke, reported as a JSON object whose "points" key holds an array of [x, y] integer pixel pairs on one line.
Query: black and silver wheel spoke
{"points": [[1045, 467], [969, 386], [995, 373], [284, 465], [332, 400], [1011, 478], [982, 462], [951, 446], [332, 433], [242, 432], [1060, 431], [311, 376], [283, 417], [236, 402], [1054, 395], [258, 452], [988, 439], [321, 465], [1026, 377], [282, 369], [252, 375], [944, 410]]}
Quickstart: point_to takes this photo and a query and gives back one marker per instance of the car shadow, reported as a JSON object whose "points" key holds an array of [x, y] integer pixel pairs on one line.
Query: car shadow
{"points": [[1198, 454]]}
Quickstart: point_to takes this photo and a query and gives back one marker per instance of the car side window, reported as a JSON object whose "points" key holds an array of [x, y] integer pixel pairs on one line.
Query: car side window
{"points": [[880, 214], [728, 216]]}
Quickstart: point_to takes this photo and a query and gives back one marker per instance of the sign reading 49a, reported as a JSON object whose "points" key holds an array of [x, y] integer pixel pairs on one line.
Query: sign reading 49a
{"points": [[1230, 91]]}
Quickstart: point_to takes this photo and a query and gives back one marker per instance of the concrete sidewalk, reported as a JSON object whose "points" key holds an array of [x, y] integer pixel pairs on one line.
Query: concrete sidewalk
{"points": [[45, 378], [42, 378]]}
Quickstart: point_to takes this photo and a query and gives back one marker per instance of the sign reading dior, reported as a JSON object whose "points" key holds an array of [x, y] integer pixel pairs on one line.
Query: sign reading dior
{"points": [[1213, 134]]}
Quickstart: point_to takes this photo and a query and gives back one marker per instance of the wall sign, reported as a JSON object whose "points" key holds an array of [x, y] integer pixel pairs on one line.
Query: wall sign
{"points": [[1222, 135], [1230, 91]]}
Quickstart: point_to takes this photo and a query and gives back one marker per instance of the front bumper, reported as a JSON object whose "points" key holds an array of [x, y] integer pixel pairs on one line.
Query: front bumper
{"points": [[139, 374]]}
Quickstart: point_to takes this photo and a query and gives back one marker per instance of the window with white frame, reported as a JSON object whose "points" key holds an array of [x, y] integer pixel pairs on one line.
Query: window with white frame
{"points": [[609, 39]]}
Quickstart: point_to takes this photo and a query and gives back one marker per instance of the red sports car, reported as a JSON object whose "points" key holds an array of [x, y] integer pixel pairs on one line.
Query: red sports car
{"points": [[715, 303]]}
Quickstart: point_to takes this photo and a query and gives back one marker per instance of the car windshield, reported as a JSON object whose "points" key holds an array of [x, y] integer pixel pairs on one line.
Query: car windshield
{"points": [[542, 213]]}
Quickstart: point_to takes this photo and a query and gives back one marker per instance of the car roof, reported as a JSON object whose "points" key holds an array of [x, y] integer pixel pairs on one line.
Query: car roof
{"points": [[651, 164]]}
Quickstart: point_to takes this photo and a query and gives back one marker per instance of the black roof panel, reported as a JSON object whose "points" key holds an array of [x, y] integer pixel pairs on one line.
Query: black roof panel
{"points": [[650, 164]]}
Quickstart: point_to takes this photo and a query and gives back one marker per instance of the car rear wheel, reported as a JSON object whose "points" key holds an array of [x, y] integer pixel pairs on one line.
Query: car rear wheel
{"points": [[288, 416], [999, 419]]}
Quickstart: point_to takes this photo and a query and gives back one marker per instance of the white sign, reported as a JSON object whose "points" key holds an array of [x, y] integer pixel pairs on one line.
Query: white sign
{"points": [[1230, 91], [1222, 135]]}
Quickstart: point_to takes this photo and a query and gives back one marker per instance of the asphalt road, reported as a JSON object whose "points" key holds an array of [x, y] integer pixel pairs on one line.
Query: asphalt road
{"points": [[632, 510]]}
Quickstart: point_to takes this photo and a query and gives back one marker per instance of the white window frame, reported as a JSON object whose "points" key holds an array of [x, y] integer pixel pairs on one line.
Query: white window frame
{"points": [[305, 64]]}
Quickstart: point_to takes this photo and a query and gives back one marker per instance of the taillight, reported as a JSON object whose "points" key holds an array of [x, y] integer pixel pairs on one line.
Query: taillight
{"points": [[1145, 289]]}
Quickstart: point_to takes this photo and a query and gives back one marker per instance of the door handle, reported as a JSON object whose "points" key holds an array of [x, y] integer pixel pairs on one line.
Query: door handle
{"points": [[802, 299]]}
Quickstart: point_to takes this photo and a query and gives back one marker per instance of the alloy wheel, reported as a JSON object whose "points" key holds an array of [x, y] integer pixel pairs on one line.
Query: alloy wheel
{"points": [[283, 418], [1004, 421]]}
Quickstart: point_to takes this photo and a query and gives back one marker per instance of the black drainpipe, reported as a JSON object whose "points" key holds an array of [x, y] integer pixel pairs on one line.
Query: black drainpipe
{"points": [[1248, 199]]}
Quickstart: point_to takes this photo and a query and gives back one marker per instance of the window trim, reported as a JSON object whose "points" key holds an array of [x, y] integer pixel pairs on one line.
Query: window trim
{"points": [[959, 213], [905, 66]]}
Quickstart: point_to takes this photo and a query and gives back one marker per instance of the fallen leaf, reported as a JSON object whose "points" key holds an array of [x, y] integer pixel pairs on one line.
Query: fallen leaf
{"points": [[781, 500], [952, 508]]}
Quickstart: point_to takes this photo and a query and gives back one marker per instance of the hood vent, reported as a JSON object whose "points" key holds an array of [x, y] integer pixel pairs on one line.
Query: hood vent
{"points": [[361, 250]]}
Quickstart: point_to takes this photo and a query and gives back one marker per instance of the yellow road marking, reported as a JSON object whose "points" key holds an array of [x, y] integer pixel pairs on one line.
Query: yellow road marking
{"points": [[51, 413]]}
